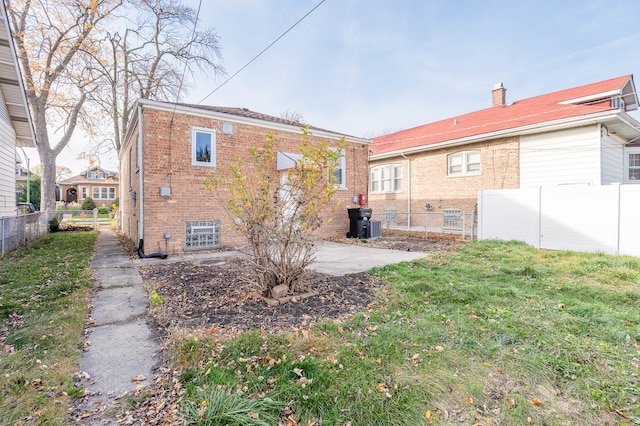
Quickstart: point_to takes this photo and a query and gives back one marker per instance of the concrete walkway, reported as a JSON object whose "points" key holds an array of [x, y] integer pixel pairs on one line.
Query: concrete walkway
{"points": [[123, 349]]}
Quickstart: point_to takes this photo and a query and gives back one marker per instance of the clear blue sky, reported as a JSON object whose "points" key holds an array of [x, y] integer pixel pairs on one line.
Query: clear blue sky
{"points": [[366, 67]]}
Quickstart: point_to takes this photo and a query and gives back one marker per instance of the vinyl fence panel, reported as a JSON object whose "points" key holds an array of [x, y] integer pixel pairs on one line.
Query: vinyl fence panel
{"points": [[578, 218]]}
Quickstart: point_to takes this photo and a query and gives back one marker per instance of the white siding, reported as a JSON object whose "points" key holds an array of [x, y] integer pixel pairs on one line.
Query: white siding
{"points": [[612, 160], [7, 163], [565, 157]]}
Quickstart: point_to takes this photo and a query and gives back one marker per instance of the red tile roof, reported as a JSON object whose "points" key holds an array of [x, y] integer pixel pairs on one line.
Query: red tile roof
{"points": [[526, 112]]}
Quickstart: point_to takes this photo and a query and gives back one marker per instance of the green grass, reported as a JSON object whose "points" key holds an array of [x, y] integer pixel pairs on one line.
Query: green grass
{"points": [[497, 333], [43, 299]]}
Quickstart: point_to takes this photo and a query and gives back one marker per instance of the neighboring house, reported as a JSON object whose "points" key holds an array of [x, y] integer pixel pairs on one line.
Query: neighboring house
{"points": [[171, 148], [578, 136], [96, 183], [22, 176], [16, 130]]}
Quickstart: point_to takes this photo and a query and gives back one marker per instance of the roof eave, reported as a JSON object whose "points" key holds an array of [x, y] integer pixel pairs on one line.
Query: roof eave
{"points": [[163, 106], [516, 131]]}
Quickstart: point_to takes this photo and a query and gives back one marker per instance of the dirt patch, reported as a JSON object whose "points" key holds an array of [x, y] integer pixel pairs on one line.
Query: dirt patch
{"points": [[221, 295]]}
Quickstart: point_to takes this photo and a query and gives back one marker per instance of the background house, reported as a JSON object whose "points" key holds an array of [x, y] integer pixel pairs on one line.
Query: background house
{"points": [[170, 148], [15, 120], [97, 183], [578, 136]]}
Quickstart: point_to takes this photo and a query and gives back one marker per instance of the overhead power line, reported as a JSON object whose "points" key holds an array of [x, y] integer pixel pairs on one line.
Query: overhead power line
{"points": [[263, 51]]}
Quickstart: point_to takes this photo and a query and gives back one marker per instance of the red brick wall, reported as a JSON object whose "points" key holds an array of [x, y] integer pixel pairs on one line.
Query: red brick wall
{"points": [[167, 162]]}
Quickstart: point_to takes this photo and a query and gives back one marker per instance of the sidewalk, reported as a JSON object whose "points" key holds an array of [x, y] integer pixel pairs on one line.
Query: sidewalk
{"points": [[123, 349]]}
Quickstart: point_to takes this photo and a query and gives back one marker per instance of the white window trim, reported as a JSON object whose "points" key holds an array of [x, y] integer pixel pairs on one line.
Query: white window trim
{"points": [[100, 188], [342, 166], [627, 152], [393, 167], [212, 132], [464, 167]]}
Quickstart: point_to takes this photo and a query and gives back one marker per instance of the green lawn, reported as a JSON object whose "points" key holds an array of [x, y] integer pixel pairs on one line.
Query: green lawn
{"points": [[43, 299], [497, 333]]}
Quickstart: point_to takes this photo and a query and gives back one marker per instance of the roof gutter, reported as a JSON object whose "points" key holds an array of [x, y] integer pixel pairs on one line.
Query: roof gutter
{"points": [[524, 130]]}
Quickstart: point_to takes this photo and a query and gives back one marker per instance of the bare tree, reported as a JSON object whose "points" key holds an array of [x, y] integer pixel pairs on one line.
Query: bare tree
{"points": [[52, 38], [293, 116], [152, 59]]}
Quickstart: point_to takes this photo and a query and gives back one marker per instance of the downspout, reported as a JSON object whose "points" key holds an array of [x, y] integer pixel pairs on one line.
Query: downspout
{"points": [[141, 196], [408, 190], [140, 176]]}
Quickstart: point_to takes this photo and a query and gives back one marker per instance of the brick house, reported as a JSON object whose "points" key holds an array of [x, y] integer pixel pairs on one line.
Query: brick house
{"points": [[170, 148], [578, 136], [99, 184]]}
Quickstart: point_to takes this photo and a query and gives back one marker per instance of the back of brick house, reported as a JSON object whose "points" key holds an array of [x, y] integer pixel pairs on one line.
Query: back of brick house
{"points": [[171, 148]]}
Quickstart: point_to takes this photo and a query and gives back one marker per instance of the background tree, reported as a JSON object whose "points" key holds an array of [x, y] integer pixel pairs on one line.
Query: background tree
{"points": [[152, 59], [278, 216], [34, 192], [53, 38], [294, 116]]}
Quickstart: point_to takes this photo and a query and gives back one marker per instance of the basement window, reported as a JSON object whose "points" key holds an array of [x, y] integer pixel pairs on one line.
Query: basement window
{"points": [[202, 234]]}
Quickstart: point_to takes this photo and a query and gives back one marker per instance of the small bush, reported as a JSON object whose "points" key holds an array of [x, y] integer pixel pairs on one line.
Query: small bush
{"points": [[103, 210], [54, 224], [88, 204]]}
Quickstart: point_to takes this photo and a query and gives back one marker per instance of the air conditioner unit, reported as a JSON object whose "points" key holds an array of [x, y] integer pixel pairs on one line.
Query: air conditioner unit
{"points": [[375, 229]]}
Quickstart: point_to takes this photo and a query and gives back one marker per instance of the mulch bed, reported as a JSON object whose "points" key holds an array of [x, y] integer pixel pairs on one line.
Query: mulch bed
{"points": [[221, 296]]}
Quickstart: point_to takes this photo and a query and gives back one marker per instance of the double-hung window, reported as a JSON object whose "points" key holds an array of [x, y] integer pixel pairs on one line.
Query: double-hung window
{"points": [[463, 163], [340, 173], [204, 147], [387, 178], [632, 161], [103, 193]]}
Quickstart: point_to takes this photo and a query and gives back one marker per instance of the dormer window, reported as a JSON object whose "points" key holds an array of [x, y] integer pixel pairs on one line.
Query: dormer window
{"points": [[96, 175]]}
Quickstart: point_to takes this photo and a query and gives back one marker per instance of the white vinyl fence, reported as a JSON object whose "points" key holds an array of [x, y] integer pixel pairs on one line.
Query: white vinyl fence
{"points": [[578, 218]]}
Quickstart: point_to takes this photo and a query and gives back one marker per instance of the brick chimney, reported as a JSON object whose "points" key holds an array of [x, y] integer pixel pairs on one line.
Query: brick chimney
{"points": [[498, 95]]}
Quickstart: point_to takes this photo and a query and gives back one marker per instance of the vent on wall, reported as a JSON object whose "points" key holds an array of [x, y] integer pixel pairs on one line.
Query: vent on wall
{"points": [[227, 129]]}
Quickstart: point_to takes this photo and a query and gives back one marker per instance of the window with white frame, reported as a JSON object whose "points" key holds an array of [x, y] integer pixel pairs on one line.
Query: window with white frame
{"points": [[103, 193], [463, 163], [83, 192], [633, 165], [340, 173], [387, 178], [204, 147]]}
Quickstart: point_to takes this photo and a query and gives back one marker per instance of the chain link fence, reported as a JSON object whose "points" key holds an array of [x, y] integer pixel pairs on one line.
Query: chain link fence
{"points": [[445, 222], [17, 231]]}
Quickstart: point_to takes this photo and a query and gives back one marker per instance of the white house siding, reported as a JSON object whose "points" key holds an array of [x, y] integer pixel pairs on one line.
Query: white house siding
{"points": [[612, 160], [7, 163], [565, 157]]}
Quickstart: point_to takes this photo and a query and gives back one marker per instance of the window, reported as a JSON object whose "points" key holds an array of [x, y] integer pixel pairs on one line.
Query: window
{"points": [[451, 219], [91, 175], [634, 166], [104, 193], [463, 163], [202, 234], [83, 192], [204, 147], [386, 178], [340, 173]]}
